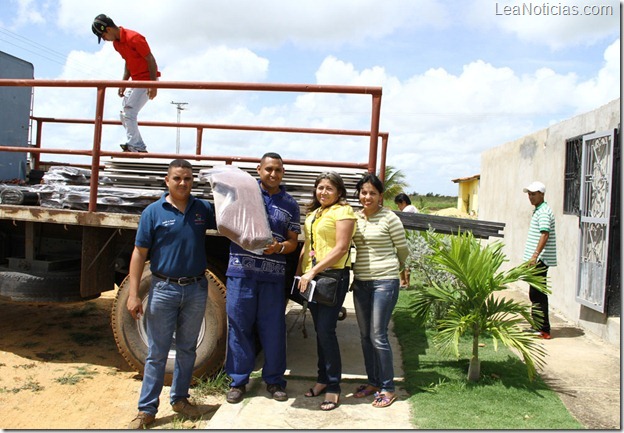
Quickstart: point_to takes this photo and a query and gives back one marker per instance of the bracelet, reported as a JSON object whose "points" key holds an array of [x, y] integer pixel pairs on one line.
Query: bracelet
{"points": [[282, 249]]}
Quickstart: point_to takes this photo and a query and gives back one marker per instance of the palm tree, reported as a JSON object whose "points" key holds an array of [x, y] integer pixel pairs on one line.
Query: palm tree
{"points": [[394, 182], [471, 306]]}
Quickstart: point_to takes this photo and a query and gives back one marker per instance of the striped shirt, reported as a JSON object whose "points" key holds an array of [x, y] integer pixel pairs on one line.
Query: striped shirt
{"points": [[543, 220], [380, 245]]}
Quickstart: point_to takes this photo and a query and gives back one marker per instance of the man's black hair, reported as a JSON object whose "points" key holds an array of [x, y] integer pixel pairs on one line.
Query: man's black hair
{"points": [[271, 155], [180, 163]]}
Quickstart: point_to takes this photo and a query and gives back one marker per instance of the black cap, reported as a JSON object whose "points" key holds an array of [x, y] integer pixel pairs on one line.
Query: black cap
{"points": [[99, 25]]}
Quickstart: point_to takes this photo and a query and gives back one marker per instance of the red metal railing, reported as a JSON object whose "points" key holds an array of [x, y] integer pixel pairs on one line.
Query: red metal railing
{"points": [[96, 153]]}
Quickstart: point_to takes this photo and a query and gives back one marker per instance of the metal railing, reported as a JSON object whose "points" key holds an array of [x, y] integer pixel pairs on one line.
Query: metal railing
{"points": [[96, 152]]}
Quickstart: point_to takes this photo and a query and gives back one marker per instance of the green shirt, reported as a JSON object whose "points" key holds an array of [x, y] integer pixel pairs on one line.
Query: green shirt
{"points": [[543, 220], [380, 246]]}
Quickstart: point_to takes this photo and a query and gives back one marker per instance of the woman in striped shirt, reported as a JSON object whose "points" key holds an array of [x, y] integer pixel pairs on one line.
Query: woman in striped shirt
{"points": [[381, 252]]}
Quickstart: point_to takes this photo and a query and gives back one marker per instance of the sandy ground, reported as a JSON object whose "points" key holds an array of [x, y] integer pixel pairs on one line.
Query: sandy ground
{"points": [[60, 369]]}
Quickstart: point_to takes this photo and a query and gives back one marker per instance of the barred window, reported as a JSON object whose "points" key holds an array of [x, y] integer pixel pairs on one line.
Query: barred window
{"points": [[572, 181]]}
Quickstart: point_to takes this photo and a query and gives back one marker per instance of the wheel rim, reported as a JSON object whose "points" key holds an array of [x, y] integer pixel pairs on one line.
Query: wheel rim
{"points": [[142, 328]]}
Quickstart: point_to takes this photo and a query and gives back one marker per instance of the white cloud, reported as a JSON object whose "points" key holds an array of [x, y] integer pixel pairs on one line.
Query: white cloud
{"points": [[26, 14], [254, 24], [440, 116], [602, 88], [556, 24], [440, 122]]}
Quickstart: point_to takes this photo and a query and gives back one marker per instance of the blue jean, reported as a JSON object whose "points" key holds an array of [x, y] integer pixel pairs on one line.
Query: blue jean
{"points": [[251, 305], [374, 302], [171, 308], [328, 351], [133, 101]]}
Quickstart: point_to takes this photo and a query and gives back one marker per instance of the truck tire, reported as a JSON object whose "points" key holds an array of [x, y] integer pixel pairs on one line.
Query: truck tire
{"points": [[131, 337], [54, 286]]}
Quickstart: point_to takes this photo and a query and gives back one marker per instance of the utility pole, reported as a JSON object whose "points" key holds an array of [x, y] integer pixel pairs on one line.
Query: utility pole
{"points": [[180, 107]]}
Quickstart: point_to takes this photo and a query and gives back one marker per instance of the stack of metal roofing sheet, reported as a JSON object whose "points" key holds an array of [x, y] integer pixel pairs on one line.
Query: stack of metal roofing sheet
{"points": [[149, 174]]}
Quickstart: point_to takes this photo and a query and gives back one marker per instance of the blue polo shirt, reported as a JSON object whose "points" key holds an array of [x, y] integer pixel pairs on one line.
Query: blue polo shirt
{"points": [[176, 240], [283, 213]]}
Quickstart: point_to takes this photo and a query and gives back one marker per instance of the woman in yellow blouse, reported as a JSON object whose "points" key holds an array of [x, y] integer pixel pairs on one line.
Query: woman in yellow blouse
{"points": [[329, 227]]}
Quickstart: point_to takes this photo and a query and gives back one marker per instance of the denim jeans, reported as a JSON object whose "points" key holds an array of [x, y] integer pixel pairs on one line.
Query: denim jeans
{"points": [[133, 101], [374, 302], [172, 311], [328, 351], [255, 305]]}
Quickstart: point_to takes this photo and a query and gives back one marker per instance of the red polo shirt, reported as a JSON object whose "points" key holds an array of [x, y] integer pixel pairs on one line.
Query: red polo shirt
{"points": [[133, 48]]}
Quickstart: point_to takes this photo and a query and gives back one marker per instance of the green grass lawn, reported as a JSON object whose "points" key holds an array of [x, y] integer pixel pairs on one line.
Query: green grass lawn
{"points": [[426, 203], [442, 398]]}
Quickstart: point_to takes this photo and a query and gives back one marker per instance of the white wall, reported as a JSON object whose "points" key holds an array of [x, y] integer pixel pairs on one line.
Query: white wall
{"points": [[507, 169]]}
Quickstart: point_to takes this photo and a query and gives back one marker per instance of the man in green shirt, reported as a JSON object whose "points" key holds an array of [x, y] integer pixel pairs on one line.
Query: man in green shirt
{"points": [[540, 249]]}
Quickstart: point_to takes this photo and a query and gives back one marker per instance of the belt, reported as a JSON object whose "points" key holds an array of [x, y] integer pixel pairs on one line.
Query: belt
{"points": [[182, 281]]}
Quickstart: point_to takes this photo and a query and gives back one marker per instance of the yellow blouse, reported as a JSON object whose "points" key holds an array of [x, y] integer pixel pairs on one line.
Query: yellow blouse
{"points": [[325, 234]]}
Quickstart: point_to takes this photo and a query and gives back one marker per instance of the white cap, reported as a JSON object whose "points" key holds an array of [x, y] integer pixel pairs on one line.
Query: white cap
{"points": [[535, 186]]}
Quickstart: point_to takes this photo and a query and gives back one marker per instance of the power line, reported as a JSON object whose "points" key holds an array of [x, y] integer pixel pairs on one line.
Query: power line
{"points": [[28, 45]]}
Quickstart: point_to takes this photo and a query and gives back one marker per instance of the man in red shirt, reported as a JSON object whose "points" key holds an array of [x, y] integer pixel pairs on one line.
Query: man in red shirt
{"points": [[140, 65]]}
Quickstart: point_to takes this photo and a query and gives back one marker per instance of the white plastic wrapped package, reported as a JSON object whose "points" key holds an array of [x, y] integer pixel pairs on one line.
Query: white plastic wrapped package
{"points": [[240, 211]]}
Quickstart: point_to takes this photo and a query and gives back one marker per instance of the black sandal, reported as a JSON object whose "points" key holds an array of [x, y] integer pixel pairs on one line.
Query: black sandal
{"points": [[329, 405]]}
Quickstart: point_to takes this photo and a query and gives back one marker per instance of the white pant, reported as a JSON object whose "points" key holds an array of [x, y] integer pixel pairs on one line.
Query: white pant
{"points": [[133, 101]]}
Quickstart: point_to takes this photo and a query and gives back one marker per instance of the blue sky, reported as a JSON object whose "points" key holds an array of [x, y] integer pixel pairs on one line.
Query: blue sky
{"points": [[458, 77]]}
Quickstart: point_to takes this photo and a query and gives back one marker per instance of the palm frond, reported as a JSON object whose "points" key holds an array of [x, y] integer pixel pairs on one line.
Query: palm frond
{"points": [[472, 305]]}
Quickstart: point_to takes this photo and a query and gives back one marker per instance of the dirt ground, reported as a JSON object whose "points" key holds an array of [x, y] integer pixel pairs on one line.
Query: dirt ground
{"points": [[60, 369]]}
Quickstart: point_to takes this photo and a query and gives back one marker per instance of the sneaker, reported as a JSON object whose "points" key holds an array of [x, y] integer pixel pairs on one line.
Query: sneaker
{"points": [[545, 335], [141, 421], [126, 148], [186, 409], [277, 392], [235, 394]]}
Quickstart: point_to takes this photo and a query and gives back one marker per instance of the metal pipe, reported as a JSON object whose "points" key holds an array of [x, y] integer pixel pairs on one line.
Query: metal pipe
{"points": [[374, 133], [303, 130], [382, 163], [95, 157], [36, 156], [202, 85]]}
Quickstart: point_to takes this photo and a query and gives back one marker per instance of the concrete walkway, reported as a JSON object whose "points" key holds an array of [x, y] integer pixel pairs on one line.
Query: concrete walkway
{"points": [[582, 369], [258, 411]]}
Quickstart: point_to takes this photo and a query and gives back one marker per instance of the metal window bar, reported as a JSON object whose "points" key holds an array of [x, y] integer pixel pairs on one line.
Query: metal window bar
{"points": [[572, 180]]}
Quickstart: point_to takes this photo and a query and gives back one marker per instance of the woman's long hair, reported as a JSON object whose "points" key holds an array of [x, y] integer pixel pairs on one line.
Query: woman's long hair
{"points": [[336, 181]]}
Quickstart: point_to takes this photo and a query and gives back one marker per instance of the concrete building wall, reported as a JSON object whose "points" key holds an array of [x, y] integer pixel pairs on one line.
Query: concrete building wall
{"points": [[507, 169]]}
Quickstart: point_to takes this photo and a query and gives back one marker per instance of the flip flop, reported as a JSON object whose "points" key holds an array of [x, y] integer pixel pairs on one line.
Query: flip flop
{"points": [[382, 400], [328, 405], [364, 391]]}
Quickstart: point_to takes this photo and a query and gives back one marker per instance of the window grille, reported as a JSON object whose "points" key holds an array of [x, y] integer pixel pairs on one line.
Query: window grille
{"points": [[572, 181]]}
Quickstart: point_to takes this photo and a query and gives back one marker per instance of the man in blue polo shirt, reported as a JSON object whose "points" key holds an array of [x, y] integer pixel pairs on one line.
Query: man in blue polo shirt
{"points": [[173, 232], [255, 291]]}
